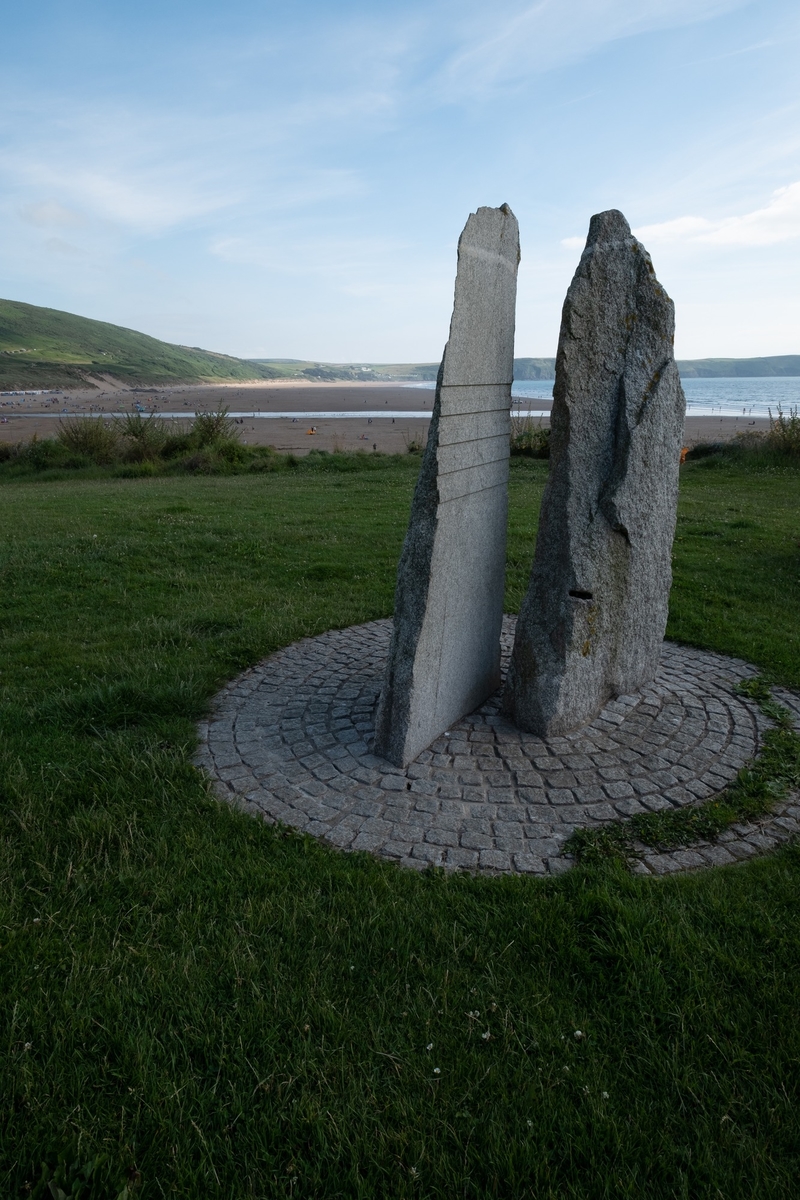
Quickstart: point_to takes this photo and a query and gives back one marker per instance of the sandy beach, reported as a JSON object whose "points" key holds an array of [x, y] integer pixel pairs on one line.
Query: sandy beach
{"points": [[23, 416]]}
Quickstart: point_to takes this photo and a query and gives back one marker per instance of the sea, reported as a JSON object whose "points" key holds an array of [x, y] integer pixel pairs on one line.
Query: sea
{"points": [[704, 397]]}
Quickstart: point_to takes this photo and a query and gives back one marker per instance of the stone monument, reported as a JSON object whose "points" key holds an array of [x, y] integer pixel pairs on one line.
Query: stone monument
{"points": [[444, 658], [593, 620]]}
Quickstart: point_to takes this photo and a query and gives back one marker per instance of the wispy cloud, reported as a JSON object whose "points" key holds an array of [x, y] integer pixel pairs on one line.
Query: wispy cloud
{"points": [[297, 175], [143, 172], [49, 212], [778, 221], [56, 245], [344, 260], [69, 161], [510, 41], [142, 191]]}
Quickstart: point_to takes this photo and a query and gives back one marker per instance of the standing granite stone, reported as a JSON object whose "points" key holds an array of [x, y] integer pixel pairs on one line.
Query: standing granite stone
{"points": [[593, 620], [444, 658]]}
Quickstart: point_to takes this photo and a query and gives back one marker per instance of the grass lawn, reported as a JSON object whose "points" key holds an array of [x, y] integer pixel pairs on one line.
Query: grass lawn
{"points": [[197, 1005]]}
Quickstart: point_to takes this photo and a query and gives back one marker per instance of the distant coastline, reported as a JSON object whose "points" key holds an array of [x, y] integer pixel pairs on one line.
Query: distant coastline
{"points": [[772, 366], [44, 348]]}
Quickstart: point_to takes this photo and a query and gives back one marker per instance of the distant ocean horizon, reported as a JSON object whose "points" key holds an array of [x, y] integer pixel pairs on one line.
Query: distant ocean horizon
{"points": [[724, 397]]}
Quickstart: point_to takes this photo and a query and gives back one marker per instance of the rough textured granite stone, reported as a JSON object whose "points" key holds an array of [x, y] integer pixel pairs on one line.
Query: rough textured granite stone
{"points": [[444, 658], [593, 620]]}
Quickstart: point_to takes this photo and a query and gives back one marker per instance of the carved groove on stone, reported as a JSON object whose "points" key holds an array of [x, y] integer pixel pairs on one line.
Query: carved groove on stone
{"points": [[444, 658]]}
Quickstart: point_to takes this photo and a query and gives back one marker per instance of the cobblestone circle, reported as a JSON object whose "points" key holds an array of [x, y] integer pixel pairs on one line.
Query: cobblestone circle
{"points": [[290, 740]]}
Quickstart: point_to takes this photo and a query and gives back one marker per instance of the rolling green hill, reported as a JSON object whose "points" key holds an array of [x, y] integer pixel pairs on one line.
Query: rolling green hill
{"points": [[524, 368], [46, 348], [697, 368], [316, 372], [43, 348], [534, 368], [744, 368], [529, 368]]}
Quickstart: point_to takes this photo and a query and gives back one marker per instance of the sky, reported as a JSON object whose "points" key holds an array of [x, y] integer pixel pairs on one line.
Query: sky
{"points": [[282, 180]]}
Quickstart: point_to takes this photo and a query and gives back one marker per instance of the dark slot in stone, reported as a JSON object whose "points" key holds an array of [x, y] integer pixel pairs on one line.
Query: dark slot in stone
{"points": [[582, 595]]}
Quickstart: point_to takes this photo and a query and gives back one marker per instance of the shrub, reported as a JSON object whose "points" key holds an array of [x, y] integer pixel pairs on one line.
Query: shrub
{"points": [[230, 450], [41, 454], [92, 438], [136, 470], [211, 427], [784, 432], [202, 461], [529, 439], [779, 447], [416, 443], [176, 444], [705, 450], [264, 458], [144, 436]]}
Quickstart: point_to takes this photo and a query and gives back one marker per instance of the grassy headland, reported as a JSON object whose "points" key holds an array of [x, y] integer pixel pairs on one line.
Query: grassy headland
{"points": [[740, 368], [197, 1004], [706, 368], [46, 348], [324, 372]]}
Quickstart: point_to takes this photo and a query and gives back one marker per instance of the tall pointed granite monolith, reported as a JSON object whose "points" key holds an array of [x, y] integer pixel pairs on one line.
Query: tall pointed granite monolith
{"points": [[593, 620], [444, 658]]}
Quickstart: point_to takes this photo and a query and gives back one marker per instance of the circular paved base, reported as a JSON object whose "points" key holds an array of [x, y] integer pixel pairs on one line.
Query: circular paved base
{"points": [[291, 740]]}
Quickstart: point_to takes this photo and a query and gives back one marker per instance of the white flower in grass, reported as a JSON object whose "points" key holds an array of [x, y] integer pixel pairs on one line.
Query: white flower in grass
{"points": [[578, 1035], [604, 1095], [486, 1035], [429, 1046], [437, 1070]]}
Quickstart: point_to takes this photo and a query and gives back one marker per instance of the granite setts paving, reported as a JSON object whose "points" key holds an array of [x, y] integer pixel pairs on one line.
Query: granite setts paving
{"points": [[290, 741]]}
